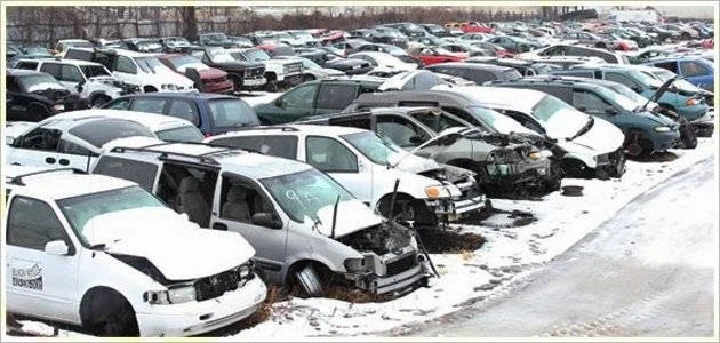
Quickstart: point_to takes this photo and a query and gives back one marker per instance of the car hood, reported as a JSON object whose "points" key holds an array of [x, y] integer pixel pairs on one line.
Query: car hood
{"points": [[603, 137], [352, 216], [199, 66], [176, 246], [565, 123], [167, 75], [410, 163]]}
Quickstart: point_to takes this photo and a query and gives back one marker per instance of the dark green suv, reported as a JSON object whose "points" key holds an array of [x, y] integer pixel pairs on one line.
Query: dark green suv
{"points": [[645, 133], [329, 95]]}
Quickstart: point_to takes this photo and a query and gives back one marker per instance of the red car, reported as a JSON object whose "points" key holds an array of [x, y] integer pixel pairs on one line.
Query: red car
{"points": [[473, 26], [434, 55], [209, 80]]}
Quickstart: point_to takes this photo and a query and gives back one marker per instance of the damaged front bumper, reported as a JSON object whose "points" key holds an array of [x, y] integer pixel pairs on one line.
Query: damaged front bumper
{"points": [[705, 126], [455, 209], [525, 173], [393, 274]]}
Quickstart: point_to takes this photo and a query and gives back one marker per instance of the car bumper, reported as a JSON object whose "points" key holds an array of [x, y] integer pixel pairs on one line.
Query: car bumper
{"points": [[705, 125], [403, 281], [454, 209], [613, 162], [665, 141], [185, 319], [253, 83]]}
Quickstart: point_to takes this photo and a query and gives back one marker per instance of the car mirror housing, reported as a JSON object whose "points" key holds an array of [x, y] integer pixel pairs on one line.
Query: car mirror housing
{"points": [[57, 247]]}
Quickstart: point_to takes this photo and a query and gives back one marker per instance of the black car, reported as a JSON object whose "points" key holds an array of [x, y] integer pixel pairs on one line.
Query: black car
{"points": [[437, 30], [477, 72], [245, 75], [409, 29], [525, 68], [34, 96], [171, 45], [388, 35]]}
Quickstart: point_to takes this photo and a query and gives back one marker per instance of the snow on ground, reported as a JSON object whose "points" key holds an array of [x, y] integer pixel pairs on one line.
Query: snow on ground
{"points": [[508, 254]]}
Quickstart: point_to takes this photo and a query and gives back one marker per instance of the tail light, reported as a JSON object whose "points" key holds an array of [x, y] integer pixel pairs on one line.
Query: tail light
{"points": [[206, 134]]}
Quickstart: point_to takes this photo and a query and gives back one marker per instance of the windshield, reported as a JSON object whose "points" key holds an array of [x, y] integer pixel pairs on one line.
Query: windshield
{"points": [[38, 82], [548, 106], [79, 210], [150, 64], [220, 55], [37, 50], [629, 93], [184, 134], [78, 43], [372, 146], [232, 113], [309, 65], [305, 193], [302, 35], [665, 75], [646, 79], [256, 55], [94, 70], [624, 102], [498, 121]]}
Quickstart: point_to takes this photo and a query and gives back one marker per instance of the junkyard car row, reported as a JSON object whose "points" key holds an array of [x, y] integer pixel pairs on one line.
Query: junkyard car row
{"points": [[147, 197]]}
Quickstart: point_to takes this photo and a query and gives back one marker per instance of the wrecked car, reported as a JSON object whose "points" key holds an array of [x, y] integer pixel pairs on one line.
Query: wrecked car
{"points": [[34, 96], [482, 152], [309, 232], [102, 261], [368, 167]]}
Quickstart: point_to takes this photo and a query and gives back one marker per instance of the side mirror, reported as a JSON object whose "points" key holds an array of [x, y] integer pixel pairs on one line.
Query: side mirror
{"points": [[57, 247], [10, 140], [267, 220]]}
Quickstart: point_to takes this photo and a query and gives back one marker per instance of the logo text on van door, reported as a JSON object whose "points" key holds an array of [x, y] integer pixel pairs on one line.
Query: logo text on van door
{"points": [[28, 277]]}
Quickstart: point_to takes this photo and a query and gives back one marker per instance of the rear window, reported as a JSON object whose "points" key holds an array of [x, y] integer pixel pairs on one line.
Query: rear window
{"points": [[151, 105], [99, 132], [232, 113], [142, 173], [185, 134]]}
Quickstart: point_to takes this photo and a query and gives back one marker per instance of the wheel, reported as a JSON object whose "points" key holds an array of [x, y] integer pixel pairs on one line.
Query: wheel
{"points": [[407, 209], [308, 281], [99, 101], [637, 146], [573, 168], [107, 313], [688, 136], [37, 112]]}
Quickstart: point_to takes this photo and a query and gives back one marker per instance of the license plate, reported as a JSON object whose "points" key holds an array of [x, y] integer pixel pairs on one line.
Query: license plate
{"points": [[59, 107], [254, 82], [356, 67]]}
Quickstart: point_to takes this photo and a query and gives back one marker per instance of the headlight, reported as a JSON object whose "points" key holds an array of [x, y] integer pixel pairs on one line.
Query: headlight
{"points": [[692, 102], [535, 155], [175, 295], [59, 107], [432, 192], [244, 271], [355, 264], [181, 294], [662, 129]]}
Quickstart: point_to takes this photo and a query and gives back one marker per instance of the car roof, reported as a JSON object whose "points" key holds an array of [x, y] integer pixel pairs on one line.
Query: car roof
{"points": [[66, 183], [521, 99], [442, 94], [245, 163], [294, 129], [60, 60], [483, 66], [206, 96], [555, 81], [152, 121], [20, 72]]}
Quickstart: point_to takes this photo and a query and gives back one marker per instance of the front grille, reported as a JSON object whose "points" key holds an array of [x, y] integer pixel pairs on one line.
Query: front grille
{"points": [[292, 68], [218, 284], [400, 265], [254, 73]]}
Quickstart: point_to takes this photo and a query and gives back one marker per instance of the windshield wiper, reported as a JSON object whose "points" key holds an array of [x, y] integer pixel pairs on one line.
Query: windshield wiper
{"points": [[584, 129]]}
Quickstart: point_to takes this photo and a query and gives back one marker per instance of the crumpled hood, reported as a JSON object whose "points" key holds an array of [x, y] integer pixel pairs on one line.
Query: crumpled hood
{"points": [[412, 163], [169, 76], [565, 123], [352, 216], [176, 246], [603, 137]]}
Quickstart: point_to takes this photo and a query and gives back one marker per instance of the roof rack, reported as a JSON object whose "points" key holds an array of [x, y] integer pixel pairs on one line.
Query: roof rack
{"points": [[279, 127], [203, 157], [18, 179]]}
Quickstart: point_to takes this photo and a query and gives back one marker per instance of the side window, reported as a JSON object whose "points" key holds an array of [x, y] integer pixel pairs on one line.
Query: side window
{"points": [[52, 69], [125, 64], [330, 156], [32, 224], [462, 114], [280, 146], [240, 201], [26, 65], [437, 122], [335, 97], [671, 66], [149, 104], [588, 102], [563, 93], [67, 147], [617, 77], [11, 84], [41, 139], [401, 132], [184, 110], [71, 73], [692, 69], [301, 97], [142, 173], [119, 104]]}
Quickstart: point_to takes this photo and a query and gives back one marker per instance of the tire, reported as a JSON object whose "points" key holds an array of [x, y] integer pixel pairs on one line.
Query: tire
{"points": [[110, 315], [573, 168], [37, 112], [407, 209], [309, 281]]}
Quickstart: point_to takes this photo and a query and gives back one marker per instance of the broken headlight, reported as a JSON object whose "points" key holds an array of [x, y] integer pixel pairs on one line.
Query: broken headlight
{"points": [[355, 264], [175, 295]]}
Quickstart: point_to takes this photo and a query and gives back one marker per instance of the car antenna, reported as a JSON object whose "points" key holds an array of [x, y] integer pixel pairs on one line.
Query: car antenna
{"points": [[332, 230]]}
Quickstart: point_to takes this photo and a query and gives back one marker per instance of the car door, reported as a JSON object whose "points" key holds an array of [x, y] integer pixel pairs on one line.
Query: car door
{"points": [[238, 199], [39, 283], [38, 148], [297, 103], [330, 156], [125, 69], [75, 153], [70, 77]]}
